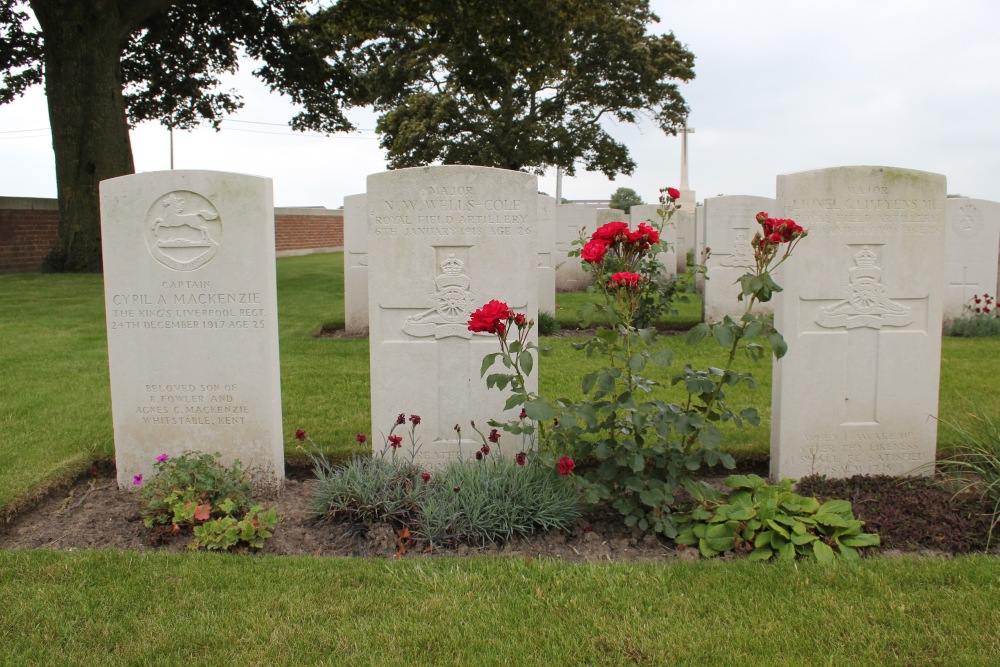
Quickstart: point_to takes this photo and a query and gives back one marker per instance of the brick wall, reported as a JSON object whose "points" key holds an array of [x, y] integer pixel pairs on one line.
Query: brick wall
{"points": [[28, 228]]}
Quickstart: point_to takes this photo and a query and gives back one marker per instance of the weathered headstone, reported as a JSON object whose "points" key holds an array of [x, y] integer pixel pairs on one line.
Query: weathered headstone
{"points": [[606, 215], [356, 265], [700, 231], [571, 221], [189, 288], [857, 392], [684, 220], [546, 226], [970, 241], [730, 227], [648, 213], [442, 242]]}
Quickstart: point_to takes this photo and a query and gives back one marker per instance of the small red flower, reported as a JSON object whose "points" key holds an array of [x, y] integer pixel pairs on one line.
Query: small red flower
{"points": [[479, 455], [485, 449], [520, 320], [426, 476], [624, 279], [673, 193], [361, 437], [401, 419], [494, 436], [301, 435], [414, 419], [457, 489], [395, 441], [566, 465], [524, 413], [521, 458]]}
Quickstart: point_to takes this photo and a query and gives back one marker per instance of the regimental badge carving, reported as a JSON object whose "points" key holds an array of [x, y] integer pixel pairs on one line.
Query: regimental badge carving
{"points": [[867, 303], [968, 222], [742, 255], [453, 304], [183, 230]]}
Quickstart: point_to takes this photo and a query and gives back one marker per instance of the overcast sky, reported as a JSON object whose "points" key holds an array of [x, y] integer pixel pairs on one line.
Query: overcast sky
{"points": [[782, 86]]}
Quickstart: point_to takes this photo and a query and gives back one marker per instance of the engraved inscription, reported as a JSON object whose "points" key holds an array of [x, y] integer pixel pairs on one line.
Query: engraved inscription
{"points": [[173, 404], [183, 230], [187, 304], [451, 211], [867, 303], [875, 453], [968, 222]]}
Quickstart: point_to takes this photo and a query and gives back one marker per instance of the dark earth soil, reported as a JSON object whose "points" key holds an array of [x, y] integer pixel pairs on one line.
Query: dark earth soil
{"points": [[911, 515]]}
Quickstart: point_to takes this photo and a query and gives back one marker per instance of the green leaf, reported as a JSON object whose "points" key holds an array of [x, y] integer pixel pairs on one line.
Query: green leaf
{"points": [[527, 362], [829, 519], [778, 344], [787, 551], [638, 462], [588, 381], [822, 552], [697, 333], [662, 357], [863, 540], [487, 362], [539, 409], [841, 507], [724, 334], [760, 554], [720, 537]]}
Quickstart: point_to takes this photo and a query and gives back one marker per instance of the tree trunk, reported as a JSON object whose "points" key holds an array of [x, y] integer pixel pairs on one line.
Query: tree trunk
{"points": [[84, 40]]}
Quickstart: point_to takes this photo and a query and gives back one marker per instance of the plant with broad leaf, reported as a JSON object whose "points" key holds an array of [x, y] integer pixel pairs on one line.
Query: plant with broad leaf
{"points": [[644, 450]]}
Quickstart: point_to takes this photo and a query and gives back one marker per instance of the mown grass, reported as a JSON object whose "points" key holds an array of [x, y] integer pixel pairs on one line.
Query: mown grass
{"points": [[105, 608], [54, 399]]}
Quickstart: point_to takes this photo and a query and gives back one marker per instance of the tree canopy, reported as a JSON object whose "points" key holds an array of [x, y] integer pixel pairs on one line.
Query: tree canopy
{"points": [[517, 85], [625, 199], [109, 64]]}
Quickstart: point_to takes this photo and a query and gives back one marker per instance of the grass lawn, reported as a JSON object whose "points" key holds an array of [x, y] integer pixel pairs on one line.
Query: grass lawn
{"points": [[98, 608]]}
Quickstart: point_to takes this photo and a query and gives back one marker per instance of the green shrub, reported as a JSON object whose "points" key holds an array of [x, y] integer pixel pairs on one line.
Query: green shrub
{"points": [[764, 520], [973, 327], [194, 491], [547, 324], [975, 463], [494, 500], [368, 490]]}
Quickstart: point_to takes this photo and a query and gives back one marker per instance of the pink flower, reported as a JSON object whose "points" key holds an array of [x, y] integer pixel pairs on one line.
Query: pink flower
{"points": [[301, 435], [566, 465], [137, 480], [673, 193], [162, 457], [395, 441]]}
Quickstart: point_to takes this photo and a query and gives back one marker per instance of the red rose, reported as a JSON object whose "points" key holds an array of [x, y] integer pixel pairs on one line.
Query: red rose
{"points": [[521, 458], [594, 251], [673, 193], [489, 318], [774, 238], [566, 465], [652, 236], [610, 232], [762, 217], [623, 279], [520, 320]]}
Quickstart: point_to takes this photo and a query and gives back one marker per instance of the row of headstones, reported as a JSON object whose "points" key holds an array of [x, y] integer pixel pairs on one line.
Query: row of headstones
{"points": [[192, 312], [556, 228], [726, 226]]}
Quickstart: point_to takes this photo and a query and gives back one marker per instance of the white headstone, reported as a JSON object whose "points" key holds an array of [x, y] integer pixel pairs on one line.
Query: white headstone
{"points": [[730, 225], [356, 265], [971, 238], [648, 213], [546, 226], [700, 245], [606, 215], [572, 220], [189, 288], [857, 392], [684, 219], [443, 242]]}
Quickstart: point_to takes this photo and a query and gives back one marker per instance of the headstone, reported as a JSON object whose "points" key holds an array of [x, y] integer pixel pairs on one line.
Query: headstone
{"points": [[606, 215], [192, 319], [356, 265], [700, 231], [730, 227], [857, 392], [648, 213], [970, 241], [684, 219], [572, 220], [443, 242], [546, 226]]}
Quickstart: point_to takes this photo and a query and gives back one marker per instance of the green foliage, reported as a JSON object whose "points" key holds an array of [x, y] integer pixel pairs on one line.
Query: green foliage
{"points": [[766, 521], [547, 324], [974, 464], [510, 85], [194, 491], [367, 490], [224, 533], [183, 483], [625, 198], [494, 500], [981, 318]]}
